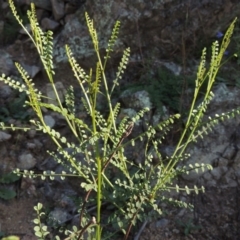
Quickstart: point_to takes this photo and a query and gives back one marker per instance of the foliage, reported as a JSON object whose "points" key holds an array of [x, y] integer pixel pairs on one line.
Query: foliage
{"points": [[5, 192], [11, 238], [164, 87], [133, 192], [11, 27], [40, 229], [188, 226], [15, 109]]}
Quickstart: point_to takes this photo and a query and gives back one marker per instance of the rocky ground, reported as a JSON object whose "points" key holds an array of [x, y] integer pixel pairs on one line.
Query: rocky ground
{"points": [[215, 215]]}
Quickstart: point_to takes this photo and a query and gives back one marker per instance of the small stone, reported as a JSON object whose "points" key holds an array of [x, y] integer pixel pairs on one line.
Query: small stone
{"points": [[137, 100], [31, 145], [51, 94], [5, 91], [58, 217], [22, 31], [49, 121], [57, 9], [31, 70], [26, 161], [175, 231], [4, 136], [32, 133], [44, 4], [49, 24], [162, 223], [173, 67], [6, 63]]}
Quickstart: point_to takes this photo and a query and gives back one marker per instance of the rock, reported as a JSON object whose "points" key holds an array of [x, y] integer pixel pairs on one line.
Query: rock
{"points": [[32, 133], [66, 201], [1, 27], [173, 67], [31, 145], [229, 179], [154, 27], [127, 112], [57, 9], [26, 161], [222, 162], [4, 136], [35, 145], [58, 217], [218, 172], [31, 70], [207, 176], [5, 91], [69, 8], [6, 63], [28, 185], [45, 4], [28, 27], [162, 223], [137, 100], [230, 152], [49, 121], [222, 94], [197, 156], [51, 94], [160, 115], [49, 24]]}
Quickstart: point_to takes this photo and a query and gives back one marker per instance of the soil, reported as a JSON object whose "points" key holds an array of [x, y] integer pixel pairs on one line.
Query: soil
{"points": [[216, 213]]}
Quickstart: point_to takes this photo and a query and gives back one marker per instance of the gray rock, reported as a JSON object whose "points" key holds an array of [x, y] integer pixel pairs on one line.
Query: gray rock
{"points": [[174, 68], [32, 133], [230, 178], [207, 176], [49, 24], [51, 94], [162, 223], [49, 121], [148, 15], [57, 9], [28, 27], [6, 63], [222, 162], [31, 70], [1, 26], [127, 112], [58, 217], [34, 145], [137, 100], [31, 145], [160, 115], [45, 4], [222, 94], [26, 161], [4, 136], [5, 91], [218, 172]]}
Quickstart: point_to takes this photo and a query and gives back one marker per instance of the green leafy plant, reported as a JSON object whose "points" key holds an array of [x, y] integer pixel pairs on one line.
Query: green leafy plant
{"points": [[5, 192], [40, 229], [188, 226], [132, 191], [11, 27], [15, 109], [164, 87]]}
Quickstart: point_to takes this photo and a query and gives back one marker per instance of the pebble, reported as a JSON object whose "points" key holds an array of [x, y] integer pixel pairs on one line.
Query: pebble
{"points": [[4, 136], [26, 161]]}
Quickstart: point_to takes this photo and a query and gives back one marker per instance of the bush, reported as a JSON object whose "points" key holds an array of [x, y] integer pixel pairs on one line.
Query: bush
{"points": [[136, 191]]}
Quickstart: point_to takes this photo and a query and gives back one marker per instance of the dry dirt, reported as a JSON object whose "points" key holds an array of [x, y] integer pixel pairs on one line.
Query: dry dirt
{"points": [[216, 215]]}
